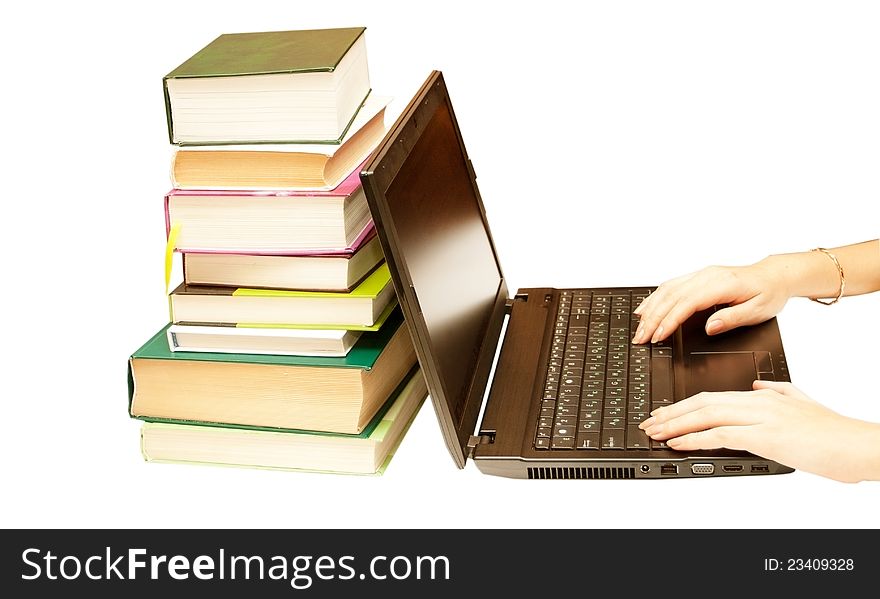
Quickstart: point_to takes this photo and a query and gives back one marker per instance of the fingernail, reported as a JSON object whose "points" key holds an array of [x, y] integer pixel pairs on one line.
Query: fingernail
{"points": [[646, 423], [714, 326], [655, 429], [657, 334], [638, 309], [673, 442], [638, 336]]}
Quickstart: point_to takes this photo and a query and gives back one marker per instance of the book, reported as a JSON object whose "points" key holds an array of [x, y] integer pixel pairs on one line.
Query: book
{"points": [[330, 272], [366, 453], [270, 222], [271, 86], [232, 339], [335, 394], [245, 305], [292, 340], [281, 166]]}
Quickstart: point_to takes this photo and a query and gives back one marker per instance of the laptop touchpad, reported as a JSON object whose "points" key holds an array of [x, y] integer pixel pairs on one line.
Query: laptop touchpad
{"points": [[720, 371]]}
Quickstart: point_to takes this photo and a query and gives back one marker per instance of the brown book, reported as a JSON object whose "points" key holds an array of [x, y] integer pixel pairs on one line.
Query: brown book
{"points": [[281, 166]]}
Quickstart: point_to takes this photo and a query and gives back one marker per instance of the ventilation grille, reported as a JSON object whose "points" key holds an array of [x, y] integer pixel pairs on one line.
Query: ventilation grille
{"points": [[582, 473]]}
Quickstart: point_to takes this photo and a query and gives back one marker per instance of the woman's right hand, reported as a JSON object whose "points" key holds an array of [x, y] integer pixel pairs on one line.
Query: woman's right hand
{"points": [[754, 293]]}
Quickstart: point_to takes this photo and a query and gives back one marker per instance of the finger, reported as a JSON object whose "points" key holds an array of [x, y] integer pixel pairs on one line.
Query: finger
{"points": [[660, 291], [648, 309], [696, 402], [689, 302], [667, 312], [653, 314], [707, 417], [783, 388], [731, 317], [730, 437]]}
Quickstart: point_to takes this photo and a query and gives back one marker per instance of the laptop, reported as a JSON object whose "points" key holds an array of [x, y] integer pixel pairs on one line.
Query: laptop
{"points": [[567, 389]]}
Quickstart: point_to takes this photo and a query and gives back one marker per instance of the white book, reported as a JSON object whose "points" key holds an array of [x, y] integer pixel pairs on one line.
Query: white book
{"points": [[252, 340]]}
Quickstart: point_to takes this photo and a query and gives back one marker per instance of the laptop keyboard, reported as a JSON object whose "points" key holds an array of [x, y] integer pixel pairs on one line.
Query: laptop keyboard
{"points": [[599, 386]]}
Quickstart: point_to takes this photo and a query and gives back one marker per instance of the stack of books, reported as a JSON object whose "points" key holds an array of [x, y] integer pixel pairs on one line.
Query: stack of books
{"points": [[286, 347]]}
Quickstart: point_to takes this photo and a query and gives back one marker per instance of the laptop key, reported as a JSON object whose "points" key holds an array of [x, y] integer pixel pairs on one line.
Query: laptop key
{"points": [[661, 380], [613, 423], [636, 438], [562, 442], [587, 441], [565, 430], [612, 439], [542, 443], [636, 418]]}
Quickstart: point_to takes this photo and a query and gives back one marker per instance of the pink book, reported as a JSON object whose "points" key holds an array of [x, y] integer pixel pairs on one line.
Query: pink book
{"points": [[256, 222]]}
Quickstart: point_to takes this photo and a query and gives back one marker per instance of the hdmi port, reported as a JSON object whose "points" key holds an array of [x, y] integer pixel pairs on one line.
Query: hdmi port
{"points": [[732, 468]]}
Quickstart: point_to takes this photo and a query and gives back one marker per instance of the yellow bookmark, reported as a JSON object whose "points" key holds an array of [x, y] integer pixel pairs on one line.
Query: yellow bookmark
{"points": [[173, 234]]}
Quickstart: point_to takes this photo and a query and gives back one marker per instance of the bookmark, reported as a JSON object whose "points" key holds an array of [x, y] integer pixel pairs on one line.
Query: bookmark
{"points": [[173, 233]]}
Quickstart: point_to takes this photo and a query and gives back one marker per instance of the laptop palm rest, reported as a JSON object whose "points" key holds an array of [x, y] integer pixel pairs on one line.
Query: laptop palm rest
{"points": [[720, 371]]}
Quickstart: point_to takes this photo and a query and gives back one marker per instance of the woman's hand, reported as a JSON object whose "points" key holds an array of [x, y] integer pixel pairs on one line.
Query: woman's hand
{"points": [[775, 421], [755, 293]]}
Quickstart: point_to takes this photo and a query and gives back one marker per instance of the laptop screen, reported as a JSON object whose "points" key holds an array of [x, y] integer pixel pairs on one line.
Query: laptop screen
{"points": [[430, 218]]}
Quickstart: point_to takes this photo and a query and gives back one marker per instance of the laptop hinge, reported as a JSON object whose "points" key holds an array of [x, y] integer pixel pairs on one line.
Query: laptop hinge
{"points": [[519, 297], [475, 440]]}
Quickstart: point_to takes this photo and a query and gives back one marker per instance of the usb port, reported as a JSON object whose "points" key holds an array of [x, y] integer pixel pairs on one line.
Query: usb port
{"points": [[732, 468], [760, 468], [668, 469]]}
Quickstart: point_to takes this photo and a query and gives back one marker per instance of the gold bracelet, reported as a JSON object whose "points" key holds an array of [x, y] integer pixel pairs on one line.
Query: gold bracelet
{"points": [[839, 272]]}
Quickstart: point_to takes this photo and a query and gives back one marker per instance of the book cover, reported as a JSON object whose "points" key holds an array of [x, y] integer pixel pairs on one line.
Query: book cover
{"points": [[267, 53], [302, 51]]}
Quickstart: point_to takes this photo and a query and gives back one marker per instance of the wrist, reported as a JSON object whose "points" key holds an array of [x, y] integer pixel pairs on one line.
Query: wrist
{"points": [[862, 459], [804, 274], [783, 271]]}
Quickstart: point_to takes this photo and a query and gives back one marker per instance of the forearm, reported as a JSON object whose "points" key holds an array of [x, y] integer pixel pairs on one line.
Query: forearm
{"points": [[813, 274]]}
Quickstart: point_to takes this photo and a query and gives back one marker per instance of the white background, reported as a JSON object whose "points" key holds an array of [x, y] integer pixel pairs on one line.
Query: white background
{"points": [[662, 135]]}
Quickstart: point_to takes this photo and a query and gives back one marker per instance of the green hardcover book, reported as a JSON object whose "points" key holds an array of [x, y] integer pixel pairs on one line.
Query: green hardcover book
{"points": [[269, 87], [366, 453], [333, 394]]}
